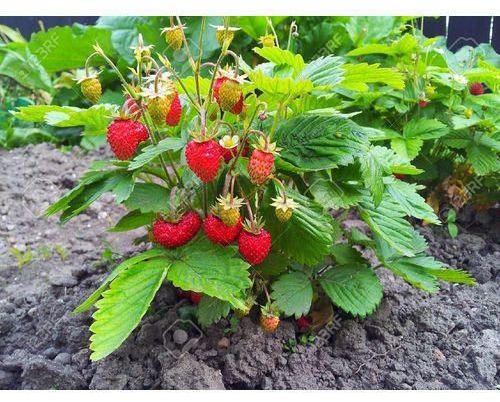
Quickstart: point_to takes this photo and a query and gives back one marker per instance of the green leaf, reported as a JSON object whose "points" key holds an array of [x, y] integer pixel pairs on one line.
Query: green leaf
{"points": [[278, 85], [255, 26], [210, 310], [352, 287], [374, 167], [407, 148], [95, 119], [423, 272], [207, 268], [281, 57], [64, 48], [293, 294], [315, 142], [136, 260], [309, 233], [274, 265], [148, 197], [357, 76], [425, 129], [324, 71], [346, 254], [18, 63], [124, 304], [387, 221], [133, 220], [372, 48], [152, 151], [333, 193], [406, 195]]}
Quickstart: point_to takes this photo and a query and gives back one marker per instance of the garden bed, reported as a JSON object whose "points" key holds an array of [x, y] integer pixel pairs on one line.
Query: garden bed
{"points": [[414, 340]]}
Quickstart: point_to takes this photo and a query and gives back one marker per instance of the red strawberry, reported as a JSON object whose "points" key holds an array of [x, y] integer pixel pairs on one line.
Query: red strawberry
{"points": [[476, 88], [254, 247], [260, 166], [229, 153], [399, 176], [422, 103], [304, 323], [218, 232], [176, 234], [227, 93], [195, 297], [204, 159], [124, 136], [182, 294], [175, 112]]}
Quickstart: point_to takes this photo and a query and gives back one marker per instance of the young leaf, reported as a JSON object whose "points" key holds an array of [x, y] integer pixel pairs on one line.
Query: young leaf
{"points": [[352, 287], [210, 310], [278, 85], [124, 304], [293, 294], [357, 76], [206, 268], [324, 71], [281, 57]]}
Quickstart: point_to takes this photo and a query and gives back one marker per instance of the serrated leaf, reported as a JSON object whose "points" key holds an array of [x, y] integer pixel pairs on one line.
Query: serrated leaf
{"points": [[281, 57], [152, 151], [407, 148], [148, 197], [406, 195], [352, 287], [357, 76], [292, 293], [124, 304], [425, 129], [374, 167], [316, 142], [346, 254], [387, 221], [274, 265], [333, 193], [324, 71], [423, 272], [279, 85], [207, 268], [210, 310], [309, 233], [137, 259], [95, 119]]}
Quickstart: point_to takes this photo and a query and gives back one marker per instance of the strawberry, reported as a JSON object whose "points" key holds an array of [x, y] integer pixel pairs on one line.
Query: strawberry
{"points": [[174, 36], [158, 108], [225, 34], [229, 146], [229, 209], [422, 103], [176, 234], [227, 92], [284, 207], [204, 158], [304, 323], [254, 245], [260, 166], [91, 89], [218, 232], [195, 297], [399, 176], [124, 135], [269, 318], [476, 88], [182, 294], [175, 111]]}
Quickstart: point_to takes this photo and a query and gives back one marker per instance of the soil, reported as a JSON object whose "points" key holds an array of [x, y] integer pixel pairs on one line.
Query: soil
{"points": [[449, 340]]}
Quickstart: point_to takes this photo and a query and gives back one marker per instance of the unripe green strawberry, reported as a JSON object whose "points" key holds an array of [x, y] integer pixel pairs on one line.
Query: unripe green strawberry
{"points": [[158, 108], [229, 209], [284, 207], [267, 40], [174, 36], [228, 94], [91, 89], [225, 34]]}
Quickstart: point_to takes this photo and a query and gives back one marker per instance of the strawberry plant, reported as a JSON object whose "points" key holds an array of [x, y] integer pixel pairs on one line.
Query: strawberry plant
{"points": [[243, 189]]}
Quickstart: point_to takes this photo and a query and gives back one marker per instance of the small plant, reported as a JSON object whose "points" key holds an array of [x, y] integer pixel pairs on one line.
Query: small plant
{"points": [[235, 170], [23, 257]]}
